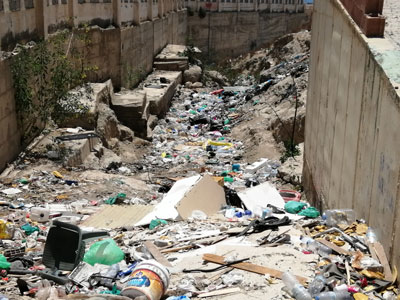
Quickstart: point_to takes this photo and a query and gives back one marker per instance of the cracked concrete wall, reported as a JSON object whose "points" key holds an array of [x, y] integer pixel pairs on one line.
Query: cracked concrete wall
{"points": [[352, 137]]}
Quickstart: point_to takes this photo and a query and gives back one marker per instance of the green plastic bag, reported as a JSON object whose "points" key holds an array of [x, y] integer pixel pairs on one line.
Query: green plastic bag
{"points": [[29, 229], [294, 207], [157, 222], [310, 212], [112, 200], [4, 264], [105, 252]]}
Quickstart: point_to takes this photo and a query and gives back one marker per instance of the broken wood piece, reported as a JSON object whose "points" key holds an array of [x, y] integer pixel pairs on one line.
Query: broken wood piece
{"points": [[249, 267], [372, 251], [380, 253], [334, 247], [157, 254], [177, 249], [346, 264], [219, 274], [220, 292]]}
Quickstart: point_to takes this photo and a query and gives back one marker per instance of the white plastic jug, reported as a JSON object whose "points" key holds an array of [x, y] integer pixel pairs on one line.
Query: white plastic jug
{"points": [[40, 214]]}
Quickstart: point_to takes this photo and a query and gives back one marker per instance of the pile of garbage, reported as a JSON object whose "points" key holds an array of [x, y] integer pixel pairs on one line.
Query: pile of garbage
{"points": [[255, 241], [201, 215]]}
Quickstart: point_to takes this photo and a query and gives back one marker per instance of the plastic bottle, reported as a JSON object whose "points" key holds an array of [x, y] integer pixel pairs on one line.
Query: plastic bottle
{"points": [[341, 288], [317, 285], [371, 236], [333, 296], [316, 247], [267, 212], [298, 291], [230, 212]]}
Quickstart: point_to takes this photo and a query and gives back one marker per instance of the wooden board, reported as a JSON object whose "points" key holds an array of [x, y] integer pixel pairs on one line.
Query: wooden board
{"points": [[380, 252], [249, 267], [220, 292], [157, 254], [334, 247]]}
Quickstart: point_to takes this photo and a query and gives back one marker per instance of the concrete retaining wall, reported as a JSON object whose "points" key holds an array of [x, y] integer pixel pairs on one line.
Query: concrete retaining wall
{"points": [[352, 137], [119, 54], [25, 20], [9, 135], [234, 33]]}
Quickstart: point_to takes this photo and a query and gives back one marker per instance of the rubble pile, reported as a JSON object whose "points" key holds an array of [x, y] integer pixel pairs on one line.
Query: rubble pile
{"points": [[201, 209]]}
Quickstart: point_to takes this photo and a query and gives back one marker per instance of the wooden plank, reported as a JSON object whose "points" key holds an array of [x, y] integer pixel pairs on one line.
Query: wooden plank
{"points": [[334, 247], [220, 292], [380, 252], [249, 267], [372, 251], [177, 249], [157, 254]]}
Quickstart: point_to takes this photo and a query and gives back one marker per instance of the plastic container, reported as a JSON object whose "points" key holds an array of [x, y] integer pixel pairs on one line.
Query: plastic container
{"points": [[110, 274], [317, 285], [333, 296], [336, 217], [40, 214], [236, 167], [371, 236], [341, 288], [230, 213], [298, 291], [314, 246], [267, 212], [149, 279]]}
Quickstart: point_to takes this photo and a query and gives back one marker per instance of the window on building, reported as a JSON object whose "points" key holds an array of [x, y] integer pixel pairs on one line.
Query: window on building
{"points": [[1, 5], [14, 5], [29, 4], [64, 1], [54, 2]]}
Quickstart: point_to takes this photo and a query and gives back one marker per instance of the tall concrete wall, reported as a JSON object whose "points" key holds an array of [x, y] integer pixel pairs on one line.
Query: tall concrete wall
{"points": [[352, 136], [119, 54], [229, 34], [25, 20], [290, 6], [9, 135]]}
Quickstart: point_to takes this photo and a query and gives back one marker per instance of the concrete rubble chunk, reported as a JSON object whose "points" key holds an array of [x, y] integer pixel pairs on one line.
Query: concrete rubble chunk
{"points": [[72, 152], [193, 74], [107, 124], [159, 94], [132, 110], [89, 96]]}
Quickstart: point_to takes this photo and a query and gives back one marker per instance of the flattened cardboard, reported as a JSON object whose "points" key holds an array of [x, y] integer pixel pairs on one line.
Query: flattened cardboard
{"points": [[186, 195], [206, 195], [260, 196], [116, 216]]}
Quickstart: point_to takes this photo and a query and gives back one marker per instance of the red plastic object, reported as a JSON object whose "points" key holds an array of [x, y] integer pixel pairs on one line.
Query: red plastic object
{"points": [[217, 92], [290, 195]]}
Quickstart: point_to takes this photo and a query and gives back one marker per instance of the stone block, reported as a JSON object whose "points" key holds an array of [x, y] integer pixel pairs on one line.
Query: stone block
{"points": [[159, 94], [132, 110], [171, 65], [89, 96]]}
